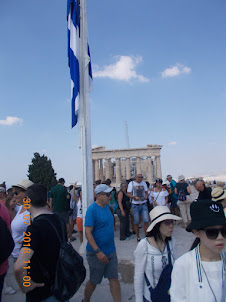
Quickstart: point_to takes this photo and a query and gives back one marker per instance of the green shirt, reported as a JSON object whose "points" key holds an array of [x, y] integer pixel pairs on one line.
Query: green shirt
{"points": [[59, 195]]}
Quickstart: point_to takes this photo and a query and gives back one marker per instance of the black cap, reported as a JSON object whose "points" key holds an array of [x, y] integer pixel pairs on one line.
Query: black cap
{"points": [[205, 213]]}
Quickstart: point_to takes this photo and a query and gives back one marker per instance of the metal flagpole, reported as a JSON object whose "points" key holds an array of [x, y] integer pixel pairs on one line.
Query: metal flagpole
{"points": [[84, 117]]}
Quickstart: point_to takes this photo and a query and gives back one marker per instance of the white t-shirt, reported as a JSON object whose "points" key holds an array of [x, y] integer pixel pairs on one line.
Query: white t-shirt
{"points": [[18, 226], [137, 190], [79, 205], [159, 197]]}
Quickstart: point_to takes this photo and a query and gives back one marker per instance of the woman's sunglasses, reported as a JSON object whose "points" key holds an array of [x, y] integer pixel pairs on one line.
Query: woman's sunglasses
{"points": [[214, 233]]}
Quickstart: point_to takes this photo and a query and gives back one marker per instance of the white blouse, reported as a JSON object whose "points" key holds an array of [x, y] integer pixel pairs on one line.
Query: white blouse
{"points": [[189, 282], [18, 226], [151, 261], [159, 197]]}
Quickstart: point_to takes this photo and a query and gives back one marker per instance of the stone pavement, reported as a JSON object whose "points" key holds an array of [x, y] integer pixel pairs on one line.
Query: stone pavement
{"points": [[125, 252]]}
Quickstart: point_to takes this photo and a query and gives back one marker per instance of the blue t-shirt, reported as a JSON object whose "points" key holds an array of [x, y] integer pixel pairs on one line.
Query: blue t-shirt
{"points": [[102, 222]]}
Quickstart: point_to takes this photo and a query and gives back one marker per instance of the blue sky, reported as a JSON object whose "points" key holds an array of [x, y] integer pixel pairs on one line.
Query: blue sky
{"points": [[159, 65]]}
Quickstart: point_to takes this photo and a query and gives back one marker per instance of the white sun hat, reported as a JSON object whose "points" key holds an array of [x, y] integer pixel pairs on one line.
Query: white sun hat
{"points": [[159, 214]]}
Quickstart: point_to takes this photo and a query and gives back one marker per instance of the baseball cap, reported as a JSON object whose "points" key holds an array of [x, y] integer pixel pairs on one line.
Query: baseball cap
{"points": [[102, 188], [2, 189]]}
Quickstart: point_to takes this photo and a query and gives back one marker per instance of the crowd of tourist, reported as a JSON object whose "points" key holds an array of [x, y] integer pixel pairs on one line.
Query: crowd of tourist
{"points": [[34, 218]]}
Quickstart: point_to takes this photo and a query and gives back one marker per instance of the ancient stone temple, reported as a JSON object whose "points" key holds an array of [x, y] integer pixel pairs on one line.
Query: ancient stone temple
{"points": [[122, 164]]}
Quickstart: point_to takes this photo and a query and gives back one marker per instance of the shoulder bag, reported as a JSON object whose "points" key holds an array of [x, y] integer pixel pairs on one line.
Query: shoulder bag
{"points": [[161, 292]]}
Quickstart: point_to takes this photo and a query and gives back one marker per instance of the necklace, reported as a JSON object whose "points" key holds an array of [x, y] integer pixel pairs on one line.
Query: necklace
{"points": [[161, 251], [209, 282]]}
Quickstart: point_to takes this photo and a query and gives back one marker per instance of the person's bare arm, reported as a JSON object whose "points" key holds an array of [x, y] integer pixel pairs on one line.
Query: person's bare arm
{"points": [[175, 190], [74, 196], [133, 197], [166, 200], [89, 236], [20, 270], [120, 196], [189, 189]]}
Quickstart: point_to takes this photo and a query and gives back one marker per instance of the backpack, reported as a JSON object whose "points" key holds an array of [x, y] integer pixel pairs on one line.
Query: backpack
{"points": [[70, 270], [181, 195], [7, 243]]}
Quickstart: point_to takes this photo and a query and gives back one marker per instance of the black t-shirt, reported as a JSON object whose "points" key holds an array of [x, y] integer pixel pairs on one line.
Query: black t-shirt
{"points": [[182, 185], [45, 244], [205, 194]]}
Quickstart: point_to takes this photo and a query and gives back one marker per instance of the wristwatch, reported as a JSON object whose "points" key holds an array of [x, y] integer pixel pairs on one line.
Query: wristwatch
{"points": [[97, 251]]}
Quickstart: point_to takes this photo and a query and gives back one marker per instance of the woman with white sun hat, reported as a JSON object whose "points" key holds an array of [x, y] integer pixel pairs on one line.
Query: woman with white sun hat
{"points": [[154, 258]]}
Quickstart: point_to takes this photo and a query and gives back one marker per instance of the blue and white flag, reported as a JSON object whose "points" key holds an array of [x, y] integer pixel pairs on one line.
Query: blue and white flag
{"points": [[73, 18]]}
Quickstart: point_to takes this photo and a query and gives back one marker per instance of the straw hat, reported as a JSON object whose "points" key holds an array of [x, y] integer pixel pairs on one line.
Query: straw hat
{"points": [[24, 184], [218, 194], [159, 214]]}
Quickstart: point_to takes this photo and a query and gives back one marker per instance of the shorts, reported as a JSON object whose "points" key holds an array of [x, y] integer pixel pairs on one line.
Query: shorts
{"points": [[73, 213], [65, 216], [98, 270], [140, 209], [79, 222]]}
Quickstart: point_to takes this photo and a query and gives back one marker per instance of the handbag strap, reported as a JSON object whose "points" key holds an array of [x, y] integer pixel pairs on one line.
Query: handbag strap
{"points": [[170, 262], [53, 226], [169, 252], [158, 195]]}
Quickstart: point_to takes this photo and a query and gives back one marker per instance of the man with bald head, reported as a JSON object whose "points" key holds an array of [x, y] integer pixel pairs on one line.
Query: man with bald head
{"points": [[204, 192]]}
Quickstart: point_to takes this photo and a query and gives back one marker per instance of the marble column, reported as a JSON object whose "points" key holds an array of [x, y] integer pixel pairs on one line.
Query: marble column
{"points": [[158, 167], [101, 170], [107, 168], [138, 165], [118, 171], [97, 171], [128, 168], [93, 161], [150, 170]]}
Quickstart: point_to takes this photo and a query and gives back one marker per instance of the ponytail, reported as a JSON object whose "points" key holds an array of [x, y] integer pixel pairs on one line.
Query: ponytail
{"points": [[195, 243]]}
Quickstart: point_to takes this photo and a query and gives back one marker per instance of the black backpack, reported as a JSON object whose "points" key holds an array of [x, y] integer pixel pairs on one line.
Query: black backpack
{"points": [[7, 243], [70, 270]]}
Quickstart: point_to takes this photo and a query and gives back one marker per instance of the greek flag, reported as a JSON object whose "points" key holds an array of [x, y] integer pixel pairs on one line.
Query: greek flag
{"points": [[73, 18]]}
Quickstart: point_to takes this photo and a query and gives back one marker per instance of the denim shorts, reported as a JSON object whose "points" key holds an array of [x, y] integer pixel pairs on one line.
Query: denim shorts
{"points": [[98, 270], [140, 209]]}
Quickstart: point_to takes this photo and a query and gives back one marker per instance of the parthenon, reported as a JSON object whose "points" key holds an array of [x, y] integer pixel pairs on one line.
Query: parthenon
{"points": [[123, 164]]}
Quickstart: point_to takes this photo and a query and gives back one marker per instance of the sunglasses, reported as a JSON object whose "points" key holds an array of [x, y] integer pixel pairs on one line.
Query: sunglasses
{"points": [[124, 186], [139, 176], [214, 233], [108, 194], [168, 222]]}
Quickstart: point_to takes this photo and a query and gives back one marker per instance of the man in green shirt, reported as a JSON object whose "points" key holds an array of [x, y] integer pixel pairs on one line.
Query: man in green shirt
{"points": [[60, 203]]}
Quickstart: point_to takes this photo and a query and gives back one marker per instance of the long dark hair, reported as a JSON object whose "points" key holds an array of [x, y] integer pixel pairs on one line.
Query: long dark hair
{"points": [[155, 232]]}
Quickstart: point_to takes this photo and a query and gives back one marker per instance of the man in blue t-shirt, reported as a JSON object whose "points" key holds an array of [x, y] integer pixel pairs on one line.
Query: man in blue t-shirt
{"points": [[100, 249]]}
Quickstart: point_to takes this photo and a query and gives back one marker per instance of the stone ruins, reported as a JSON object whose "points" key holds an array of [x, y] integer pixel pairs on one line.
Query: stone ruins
{"points": [[123, 164]]}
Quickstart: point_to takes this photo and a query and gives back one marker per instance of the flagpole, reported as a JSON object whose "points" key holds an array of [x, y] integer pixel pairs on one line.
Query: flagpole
{"points": [[84, 118]]}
